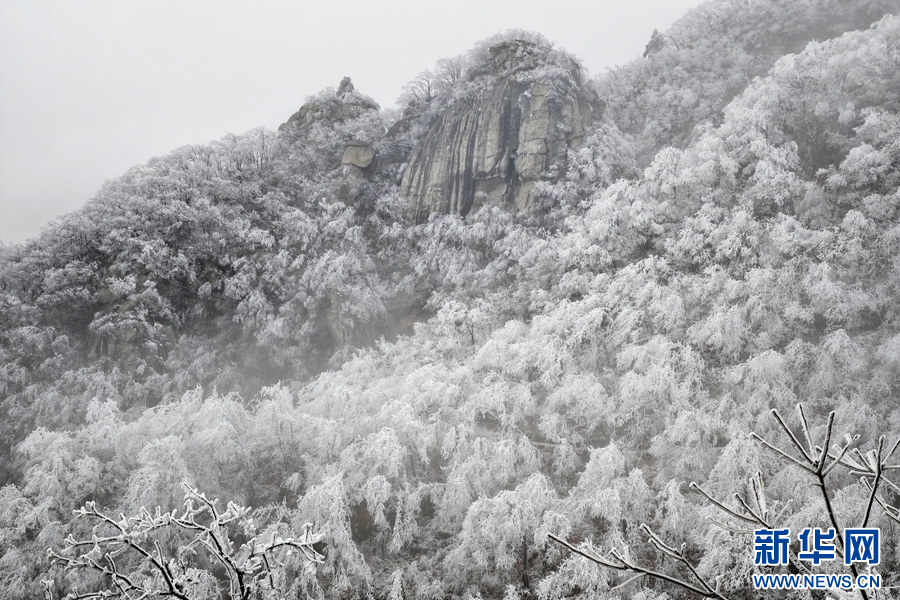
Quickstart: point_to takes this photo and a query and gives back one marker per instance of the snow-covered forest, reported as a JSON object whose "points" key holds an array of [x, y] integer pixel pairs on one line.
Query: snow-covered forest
{"points": [[391, 403]]}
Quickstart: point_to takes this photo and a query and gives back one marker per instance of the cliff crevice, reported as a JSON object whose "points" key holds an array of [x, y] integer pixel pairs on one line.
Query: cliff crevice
{"points": [[503, 138]]}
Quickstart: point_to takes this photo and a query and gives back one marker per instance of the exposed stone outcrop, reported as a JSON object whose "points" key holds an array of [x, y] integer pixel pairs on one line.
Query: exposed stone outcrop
{"points": [[657, 42], [358, 154], [322, 133], [332, 107], [502, 139]]}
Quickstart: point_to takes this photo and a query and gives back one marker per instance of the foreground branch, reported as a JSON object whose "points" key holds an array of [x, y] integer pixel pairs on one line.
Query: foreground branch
{"points": [[131, 549], [816, 459], [618, 562]]}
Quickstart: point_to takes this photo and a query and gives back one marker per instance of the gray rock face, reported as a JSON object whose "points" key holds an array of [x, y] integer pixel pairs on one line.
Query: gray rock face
{"points": [[502, 139], [343, 105], [320, 137], [359, 154]]}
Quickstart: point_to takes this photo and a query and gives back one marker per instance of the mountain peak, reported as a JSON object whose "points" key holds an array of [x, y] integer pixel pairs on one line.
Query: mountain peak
{"points": [[506, 127]]}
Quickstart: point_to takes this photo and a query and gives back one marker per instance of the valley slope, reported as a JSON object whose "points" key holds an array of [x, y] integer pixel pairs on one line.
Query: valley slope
{"points": [[529, 302]]}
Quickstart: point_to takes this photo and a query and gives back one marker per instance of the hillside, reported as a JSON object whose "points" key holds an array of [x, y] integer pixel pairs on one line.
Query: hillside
{"points": [[529, 302]]}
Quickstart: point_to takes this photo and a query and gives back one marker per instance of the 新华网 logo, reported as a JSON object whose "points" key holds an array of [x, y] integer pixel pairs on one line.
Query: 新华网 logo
{"points": [[771, 547]]}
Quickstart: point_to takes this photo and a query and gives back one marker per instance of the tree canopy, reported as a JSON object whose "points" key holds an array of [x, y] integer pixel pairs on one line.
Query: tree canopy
{"points": [[260, 319]]}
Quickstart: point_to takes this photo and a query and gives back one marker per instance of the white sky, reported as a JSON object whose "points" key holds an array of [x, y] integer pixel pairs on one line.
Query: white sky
{"points": [[89, 88]]}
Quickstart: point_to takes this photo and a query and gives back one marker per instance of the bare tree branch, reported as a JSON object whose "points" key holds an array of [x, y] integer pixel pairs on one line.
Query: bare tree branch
{"points": [[250, 574]]}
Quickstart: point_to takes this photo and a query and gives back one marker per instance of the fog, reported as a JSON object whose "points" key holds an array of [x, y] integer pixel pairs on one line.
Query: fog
{"points": [[89, 89]]}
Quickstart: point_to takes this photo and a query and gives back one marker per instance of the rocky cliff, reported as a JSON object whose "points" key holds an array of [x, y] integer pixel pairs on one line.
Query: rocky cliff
{"points": [[507, 129], [330, 107]]}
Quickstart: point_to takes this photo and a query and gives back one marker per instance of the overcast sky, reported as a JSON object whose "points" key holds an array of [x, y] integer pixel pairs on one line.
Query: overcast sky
{"points": [[89, 88]]}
